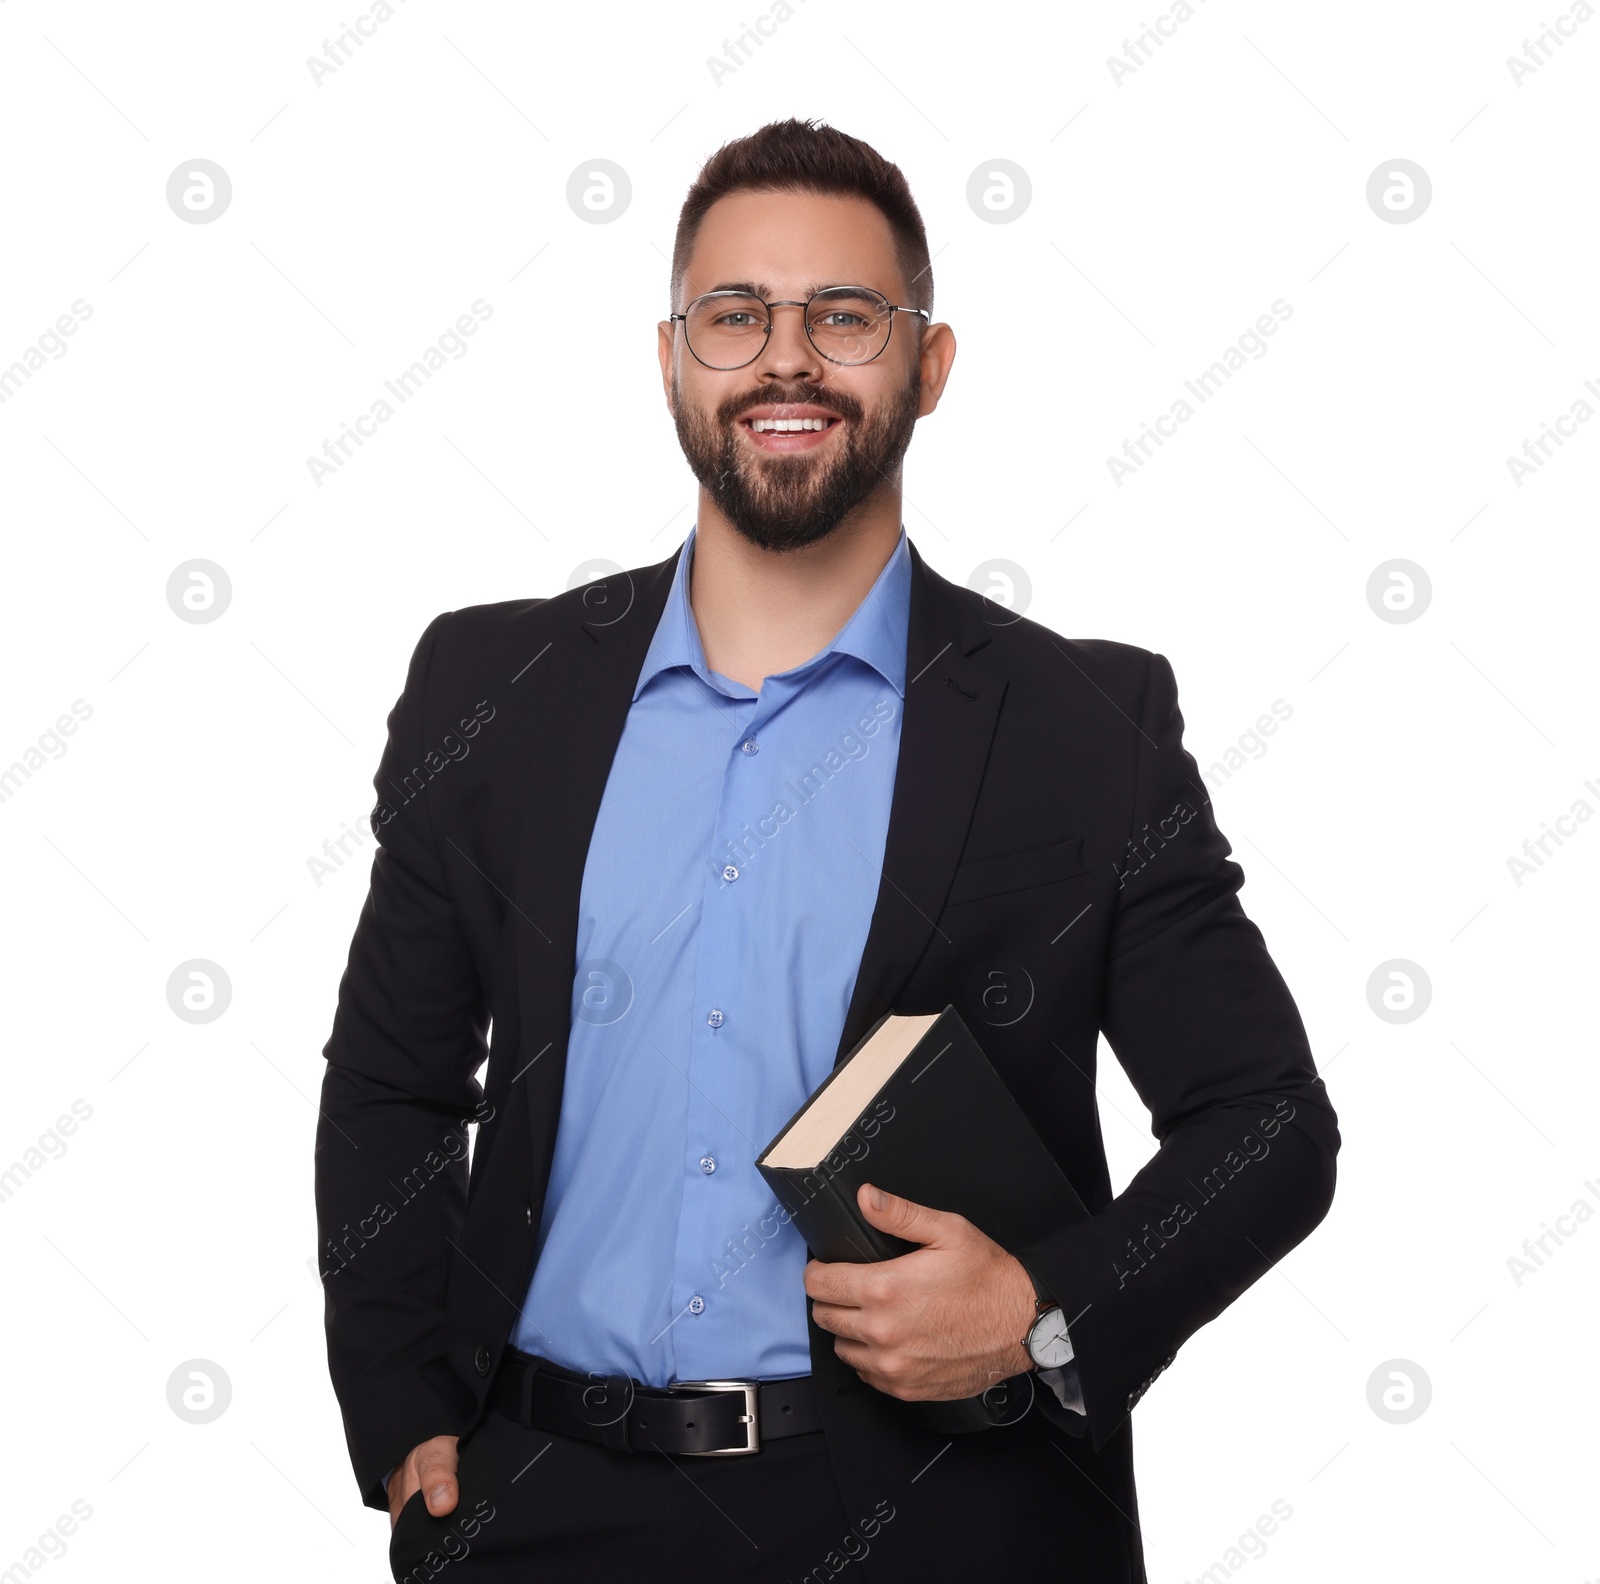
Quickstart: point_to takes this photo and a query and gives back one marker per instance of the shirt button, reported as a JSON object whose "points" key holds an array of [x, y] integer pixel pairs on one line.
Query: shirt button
{"points": [[750, 746], [714, 1017], [730, 871], [697, 1304], [708, 1164]]}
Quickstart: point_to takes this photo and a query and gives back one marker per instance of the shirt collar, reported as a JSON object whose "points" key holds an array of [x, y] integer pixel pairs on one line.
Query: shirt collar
{"points": [[875, 633]]}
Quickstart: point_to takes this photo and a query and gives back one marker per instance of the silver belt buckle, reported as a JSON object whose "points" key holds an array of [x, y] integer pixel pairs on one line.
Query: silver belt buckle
{"points": [[747, 1418]]}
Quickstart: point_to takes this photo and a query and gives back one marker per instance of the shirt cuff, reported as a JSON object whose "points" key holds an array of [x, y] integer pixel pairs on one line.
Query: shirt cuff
{"points": [[1063, 1381]]}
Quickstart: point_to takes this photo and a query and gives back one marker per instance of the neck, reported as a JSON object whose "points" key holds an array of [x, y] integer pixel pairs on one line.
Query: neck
{"points": [[760, 612]]}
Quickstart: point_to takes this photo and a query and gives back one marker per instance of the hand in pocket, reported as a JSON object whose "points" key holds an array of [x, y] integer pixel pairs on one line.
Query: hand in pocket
{"points": [[430, 1468]]}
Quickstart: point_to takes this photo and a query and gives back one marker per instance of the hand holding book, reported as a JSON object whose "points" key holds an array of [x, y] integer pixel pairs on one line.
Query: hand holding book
{"points": [[922, 1294], [942, 1322]]}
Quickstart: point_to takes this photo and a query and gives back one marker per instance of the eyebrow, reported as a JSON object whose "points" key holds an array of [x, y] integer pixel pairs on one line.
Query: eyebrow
{"points": [[759, 289]]}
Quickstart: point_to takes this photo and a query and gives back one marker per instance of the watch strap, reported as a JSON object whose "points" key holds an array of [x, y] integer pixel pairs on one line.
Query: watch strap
{"points": [[1042, 1301]]}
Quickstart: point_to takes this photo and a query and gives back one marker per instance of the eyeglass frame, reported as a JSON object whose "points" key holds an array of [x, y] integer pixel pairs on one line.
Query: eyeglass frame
{"points": [[766, 336]]}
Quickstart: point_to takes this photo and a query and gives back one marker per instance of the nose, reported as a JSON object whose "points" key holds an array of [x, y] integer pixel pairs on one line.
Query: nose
{"points": [[788, 354]]}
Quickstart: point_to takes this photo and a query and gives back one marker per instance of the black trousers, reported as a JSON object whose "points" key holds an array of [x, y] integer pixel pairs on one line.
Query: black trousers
{"points": [[536, 1506]]}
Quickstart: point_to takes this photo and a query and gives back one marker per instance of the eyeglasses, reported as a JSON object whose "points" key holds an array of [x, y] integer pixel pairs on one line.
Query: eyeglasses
{"points": [[846, 324]]}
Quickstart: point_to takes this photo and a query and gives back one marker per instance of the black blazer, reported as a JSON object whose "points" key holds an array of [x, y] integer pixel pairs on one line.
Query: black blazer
{"points": [[1052, 868]]}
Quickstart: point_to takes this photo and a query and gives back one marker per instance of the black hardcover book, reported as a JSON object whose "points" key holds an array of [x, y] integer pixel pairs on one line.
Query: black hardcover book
{"points": [[917, 1109]]}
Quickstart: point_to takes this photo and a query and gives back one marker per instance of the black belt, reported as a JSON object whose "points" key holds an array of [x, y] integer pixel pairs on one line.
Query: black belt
{"points": [[694, 1418]]}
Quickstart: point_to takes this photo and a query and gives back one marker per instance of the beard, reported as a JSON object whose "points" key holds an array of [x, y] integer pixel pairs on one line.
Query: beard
{"points": [[787, 501]]}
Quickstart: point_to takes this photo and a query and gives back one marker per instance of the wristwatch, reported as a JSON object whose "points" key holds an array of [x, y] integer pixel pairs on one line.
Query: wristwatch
{"points": [[1047, 1341]]}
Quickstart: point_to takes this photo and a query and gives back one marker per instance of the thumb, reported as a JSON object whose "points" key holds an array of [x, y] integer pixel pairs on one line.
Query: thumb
{"points": [[904, 1218], [436, 1475]]}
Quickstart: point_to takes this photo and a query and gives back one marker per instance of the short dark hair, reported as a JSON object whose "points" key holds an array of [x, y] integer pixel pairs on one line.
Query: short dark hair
{"points": [[806, 156]]}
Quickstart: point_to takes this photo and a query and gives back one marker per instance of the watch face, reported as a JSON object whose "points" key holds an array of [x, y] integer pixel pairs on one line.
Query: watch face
{"points": [[1048, 1343]]}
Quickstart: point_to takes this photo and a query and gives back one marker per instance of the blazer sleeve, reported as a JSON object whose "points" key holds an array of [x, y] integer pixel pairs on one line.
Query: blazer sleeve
{"points": [[398, 1092], [1207, 1031]]}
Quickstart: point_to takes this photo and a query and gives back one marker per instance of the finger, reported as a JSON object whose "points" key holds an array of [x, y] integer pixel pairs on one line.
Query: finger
{"points": [[835, 1283], [859, 1357], [436, 1476], [904, 1218], [840, 1321]]}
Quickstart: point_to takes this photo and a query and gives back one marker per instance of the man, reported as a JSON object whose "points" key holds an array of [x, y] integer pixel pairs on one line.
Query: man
{"points": [[663, 848]]}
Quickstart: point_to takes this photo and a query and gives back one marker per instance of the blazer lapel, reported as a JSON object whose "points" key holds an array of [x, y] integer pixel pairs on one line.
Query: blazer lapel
{"points": [[953, 691]]}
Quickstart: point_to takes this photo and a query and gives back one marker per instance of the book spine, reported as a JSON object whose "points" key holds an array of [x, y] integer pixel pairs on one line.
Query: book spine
{"points": [[827, 1217], [867, 1242]]}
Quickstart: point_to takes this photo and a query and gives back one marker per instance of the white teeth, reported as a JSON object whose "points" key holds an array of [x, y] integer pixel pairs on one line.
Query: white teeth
{"points": [[784, 425]]}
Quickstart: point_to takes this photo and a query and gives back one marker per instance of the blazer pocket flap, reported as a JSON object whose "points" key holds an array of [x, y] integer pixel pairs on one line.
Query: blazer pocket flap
{"points": [[1036, 866]]}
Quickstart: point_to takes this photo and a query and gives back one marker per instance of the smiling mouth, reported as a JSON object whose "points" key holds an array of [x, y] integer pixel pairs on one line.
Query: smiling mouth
{"points": [[788, 425], [790, 434]]}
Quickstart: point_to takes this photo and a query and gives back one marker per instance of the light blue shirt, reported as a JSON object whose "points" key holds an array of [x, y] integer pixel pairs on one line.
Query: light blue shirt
{"points": [[727, 892]]}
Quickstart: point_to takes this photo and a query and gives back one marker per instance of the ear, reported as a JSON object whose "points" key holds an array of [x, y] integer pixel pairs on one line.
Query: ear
{"points": [[935, 356], [666, 343]]}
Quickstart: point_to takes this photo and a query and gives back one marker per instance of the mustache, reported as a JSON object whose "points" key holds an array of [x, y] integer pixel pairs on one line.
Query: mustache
{"points": [[840, 403]]}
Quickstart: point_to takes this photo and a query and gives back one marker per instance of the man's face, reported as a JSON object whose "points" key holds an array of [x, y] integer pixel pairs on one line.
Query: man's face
{"points": [[784, 490]]}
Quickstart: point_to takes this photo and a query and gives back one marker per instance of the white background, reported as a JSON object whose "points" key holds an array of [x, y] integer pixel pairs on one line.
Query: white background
{"points": [[1167, 213]]}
